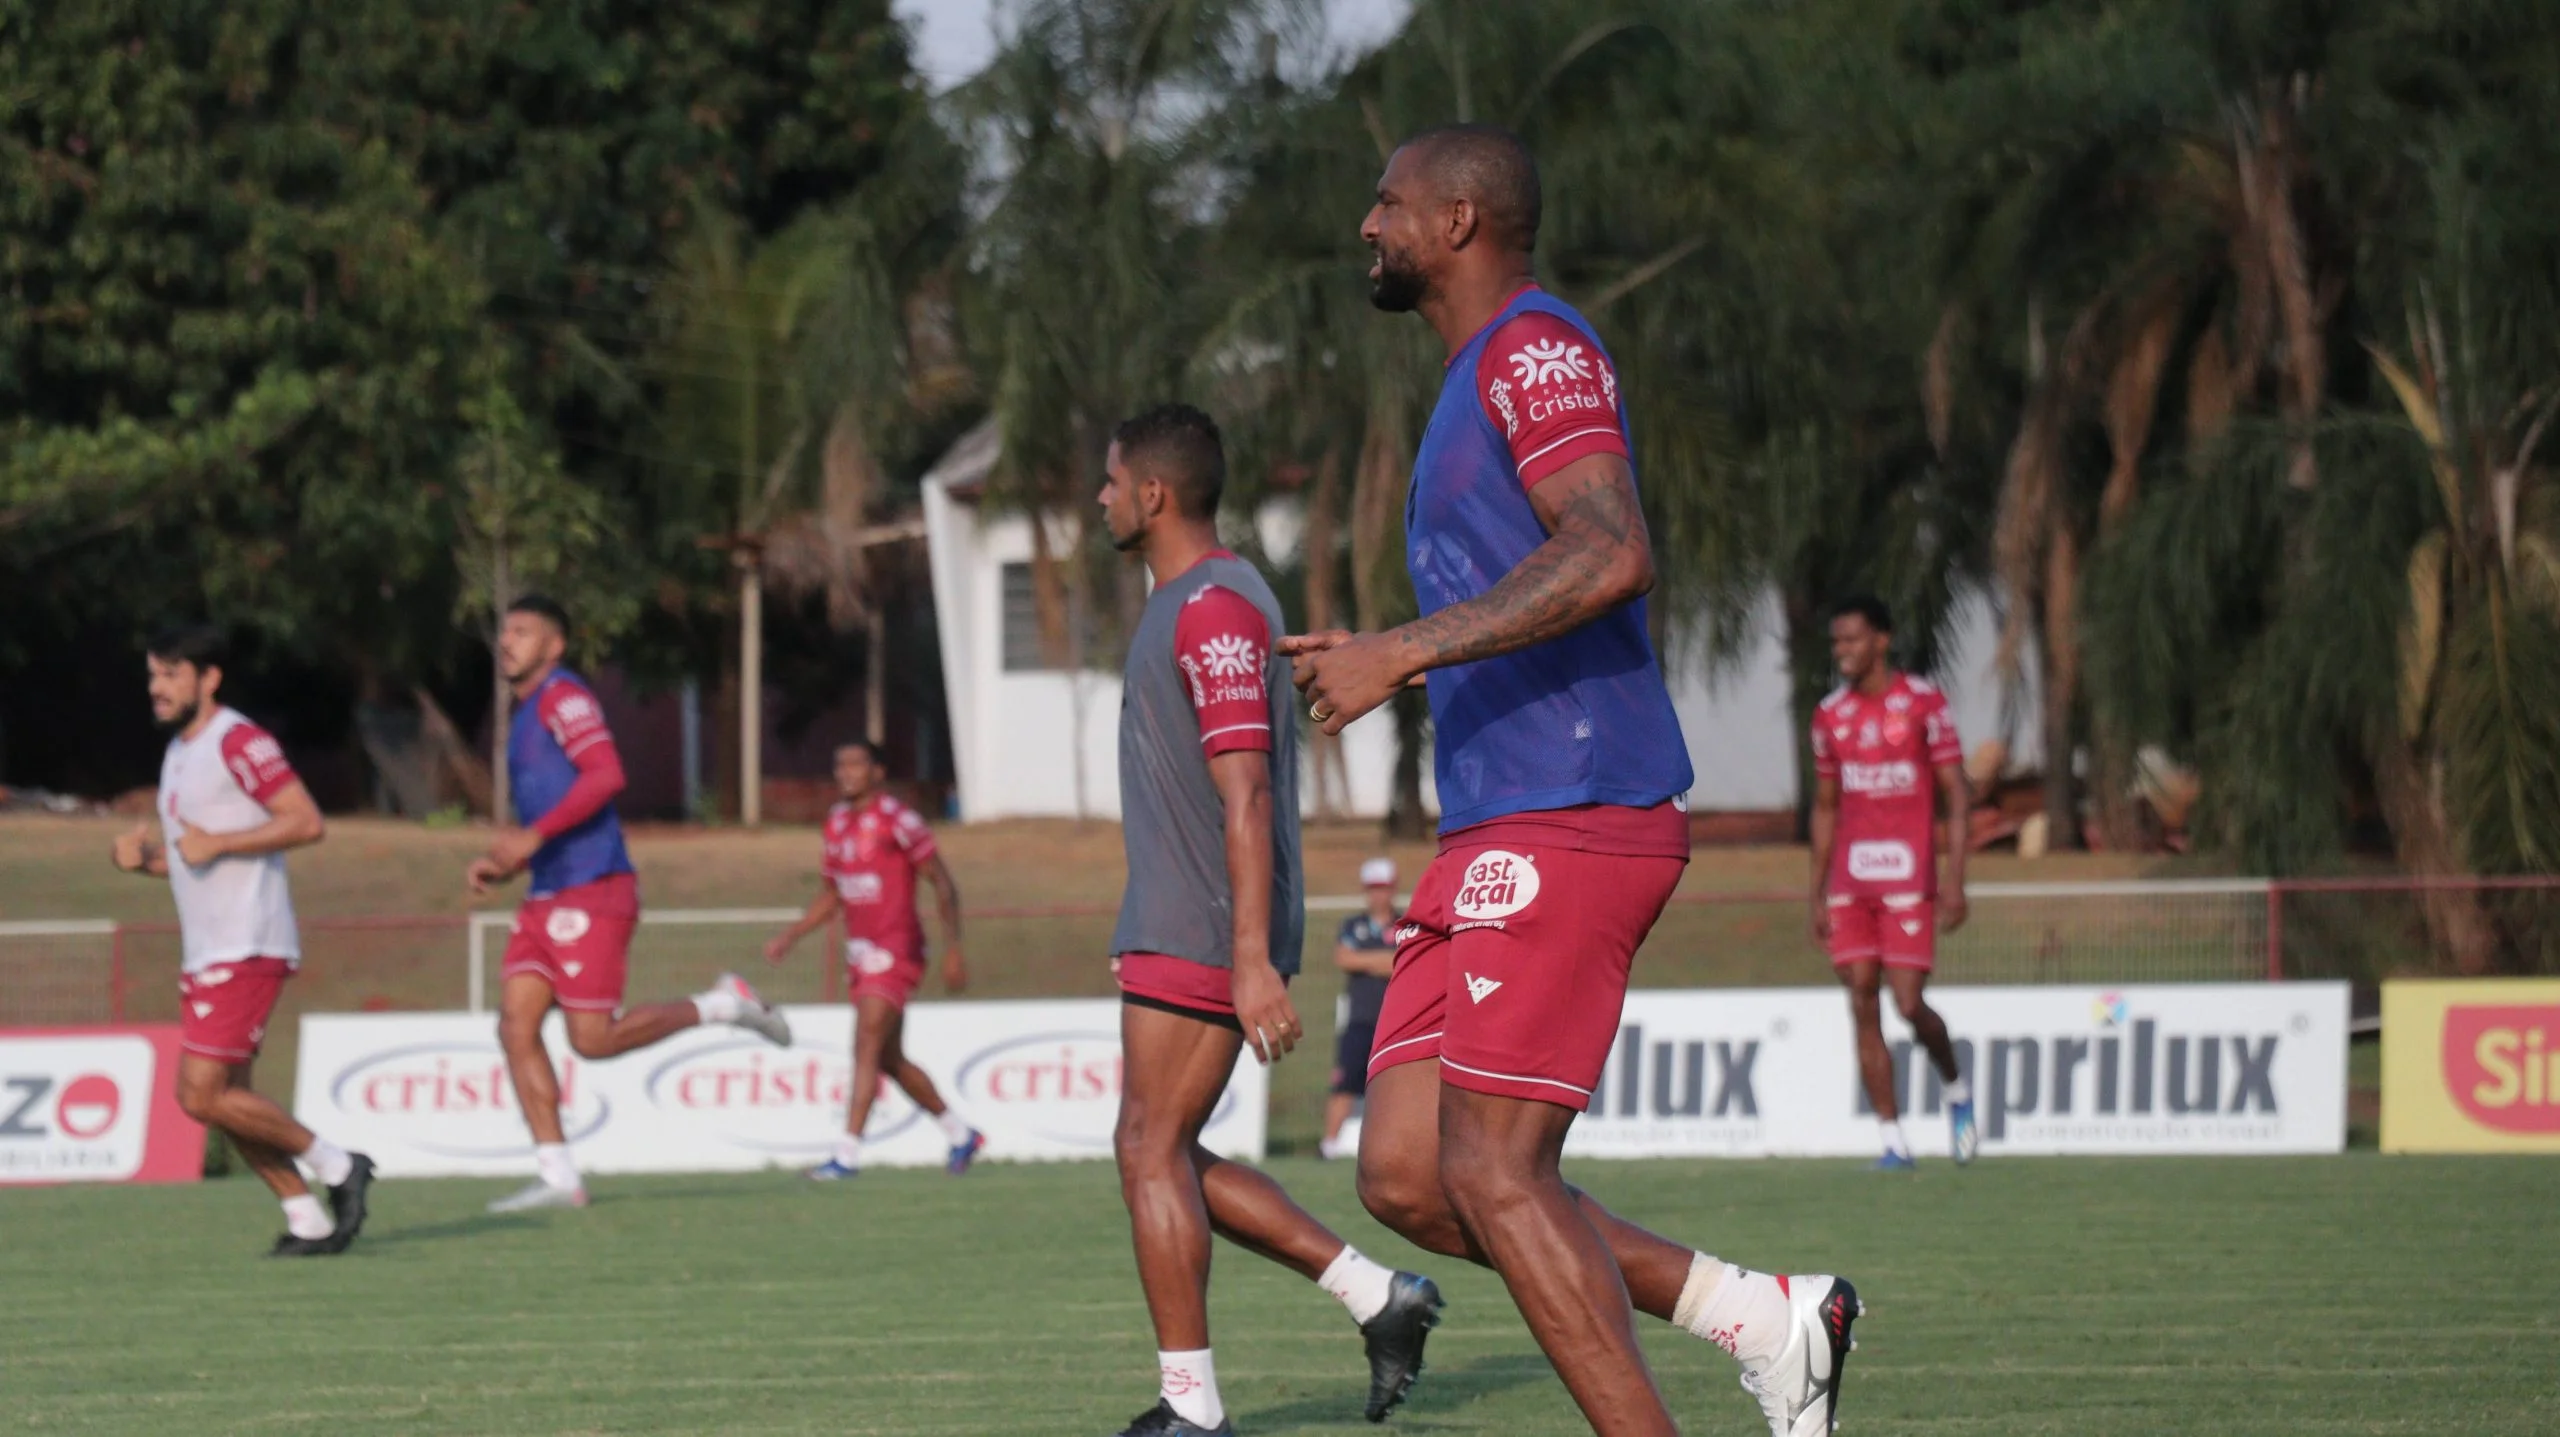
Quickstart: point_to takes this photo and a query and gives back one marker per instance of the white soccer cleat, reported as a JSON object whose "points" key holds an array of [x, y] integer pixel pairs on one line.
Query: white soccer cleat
{"points": [[539, 1194], [754, 1014], [1799, 1389]]}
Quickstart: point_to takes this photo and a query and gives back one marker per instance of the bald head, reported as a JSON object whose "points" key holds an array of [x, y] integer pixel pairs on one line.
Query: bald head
{"points": [[1488, 167], [1457, 211]]}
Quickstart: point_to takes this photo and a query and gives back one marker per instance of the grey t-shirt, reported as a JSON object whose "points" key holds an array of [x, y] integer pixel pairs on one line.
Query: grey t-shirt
{"points": [[1202, 679]]}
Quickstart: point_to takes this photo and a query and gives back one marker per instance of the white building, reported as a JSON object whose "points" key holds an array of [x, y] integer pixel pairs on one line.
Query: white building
{"points": [[1018, 726]]}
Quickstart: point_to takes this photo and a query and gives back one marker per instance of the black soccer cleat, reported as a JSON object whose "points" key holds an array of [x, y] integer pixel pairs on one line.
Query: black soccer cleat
{"points": [[287, 1245], [1394, 1338], [346, 1200], [1162, 1421]]}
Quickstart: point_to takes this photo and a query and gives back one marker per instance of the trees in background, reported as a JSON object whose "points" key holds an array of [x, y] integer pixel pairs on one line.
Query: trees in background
{"points": [[2217, 334]]}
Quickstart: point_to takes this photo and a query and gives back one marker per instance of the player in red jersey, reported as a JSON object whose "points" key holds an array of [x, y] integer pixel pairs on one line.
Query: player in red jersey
{"points": [[876, 850], [1885, 747], [230, 808]]}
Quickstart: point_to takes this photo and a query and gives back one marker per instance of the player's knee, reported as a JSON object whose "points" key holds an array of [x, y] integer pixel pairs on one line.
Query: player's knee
{"points": [[1910, 1006], [1479, 1184], [1145, 1141], [518, 1033], [1405, 1198], [593, 1044], [197, 1097]]}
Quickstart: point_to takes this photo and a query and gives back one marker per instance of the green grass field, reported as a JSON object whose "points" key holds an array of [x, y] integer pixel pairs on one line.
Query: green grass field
{"points": [[2359, 1295]]}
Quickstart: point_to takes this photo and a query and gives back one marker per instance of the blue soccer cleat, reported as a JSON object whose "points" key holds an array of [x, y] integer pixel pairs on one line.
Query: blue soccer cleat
{"points": [[1966, 1138], [832, 1171], [1897, 1163], [963, 1154]]}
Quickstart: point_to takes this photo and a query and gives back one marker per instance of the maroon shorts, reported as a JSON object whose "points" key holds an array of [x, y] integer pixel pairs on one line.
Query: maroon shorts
{"points": [[1898, 929], [1178, 985], [578, 940], [1511, 965], [872, 971], [223, 1010]]}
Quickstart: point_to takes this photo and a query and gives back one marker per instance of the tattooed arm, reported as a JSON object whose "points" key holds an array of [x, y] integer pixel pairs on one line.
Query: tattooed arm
{"points": [[1597, 556]]}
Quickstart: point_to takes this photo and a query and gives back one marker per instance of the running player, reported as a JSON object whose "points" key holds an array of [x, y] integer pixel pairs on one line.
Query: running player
{"points": [[572, 939], [230, 807], [876, 849], [1210, 926], [1882, 742], [1366, 955], [1561, 768]]}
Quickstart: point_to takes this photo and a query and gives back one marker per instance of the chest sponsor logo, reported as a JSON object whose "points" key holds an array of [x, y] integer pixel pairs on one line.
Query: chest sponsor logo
{"points": [[1881, 861], [1899, 776], [1897, 730], [2502, 1065], [1498, 884], [860, 887], [566, 925]]}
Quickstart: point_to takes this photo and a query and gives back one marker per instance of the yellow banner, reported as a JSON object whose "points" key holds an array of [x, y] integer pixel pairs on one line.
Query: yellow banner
{"points": [[2471, 1066]]}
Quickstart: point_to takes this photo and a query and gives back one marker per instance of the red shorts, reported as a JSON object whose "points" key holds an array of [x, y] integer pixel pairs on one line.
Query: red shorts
{"points": [[223, 1010], [871, 971], [1511, 965], [578, 940], [1898, 929]]}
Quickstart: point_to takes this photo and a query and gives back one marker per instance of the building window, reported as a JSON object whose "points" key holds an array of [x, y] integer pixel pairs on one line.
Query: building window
{"points": [[1022, 652]]}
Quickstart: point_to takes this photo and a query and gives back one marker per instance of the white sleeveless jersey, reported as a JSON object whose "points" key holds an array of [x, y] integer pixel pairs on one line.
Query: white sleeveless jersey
{"points": [[218, 781]]}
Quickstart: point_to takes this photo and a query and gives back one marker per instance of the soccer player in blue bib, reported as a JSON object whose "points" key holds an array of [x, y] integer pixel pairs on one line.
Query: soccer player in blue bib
{"points": [[572, 941], [1561, 768]]}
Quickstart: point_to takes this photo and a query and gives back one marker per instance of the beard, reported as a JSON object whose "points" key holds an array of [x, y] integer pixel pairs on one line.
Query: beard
{"points": [[184, 715], [1400, 286]]}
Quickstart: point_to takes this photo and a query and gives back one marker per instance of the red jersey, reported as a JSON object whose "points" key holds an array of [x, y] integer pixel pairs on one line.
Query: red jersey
{"points": [[1886, 752], [873, 853]]}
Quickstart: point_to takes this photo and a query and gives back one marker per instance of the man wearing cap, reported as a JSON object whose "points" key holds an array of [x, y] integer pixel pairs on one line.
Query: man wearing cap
{"points": [[1366, 954]]}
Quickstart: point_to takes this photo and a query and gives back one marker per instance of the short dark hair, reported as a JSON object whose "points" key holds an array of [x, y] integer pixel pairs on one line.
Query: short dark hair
{"points": [[1178, 445], [1490, 166], [202, 645], [542, 606], [1867, 607], [870, 750]]}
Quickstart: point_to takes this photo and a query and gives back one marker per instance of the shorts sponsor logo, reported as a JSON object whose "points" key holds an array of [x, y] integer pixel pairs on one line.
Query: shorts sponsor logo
{"points": [[1882, 860], [1063, 1086], [440, 1097], [566, 925], [214, 976], [2502, 1065], [1406, 933], [1498, 884], [868, 958], [750, 1095], [1479, 989]]}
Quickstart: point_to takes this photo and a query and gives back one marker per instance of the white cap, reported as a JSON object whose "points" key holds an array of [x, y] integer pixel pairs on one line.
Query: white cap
{"points": [[1378, 873]]}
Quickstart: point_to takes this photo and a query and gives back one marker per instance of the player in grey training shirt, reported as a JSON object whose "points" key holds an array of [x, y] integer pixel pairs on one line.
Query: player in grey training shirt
{"points": [[1210, 927]]}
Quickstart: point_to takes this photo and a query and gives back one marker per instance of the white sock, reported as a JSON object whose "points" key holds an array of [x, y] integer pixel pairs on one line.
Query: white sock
{"points": [[305, 1218], [1893, 1139], [1359, 1284], [1959, 1090], [558, 1169], [955, 1130], [1190, 1387], [328, 1162], [1746, 1313], [717, 1004], [849, 1151]]}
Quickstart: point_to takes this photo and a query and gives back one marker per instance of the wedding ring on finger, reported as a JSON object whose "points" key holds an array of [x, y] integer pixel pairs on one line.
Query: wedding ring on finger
{"points": [[1319, 712]]}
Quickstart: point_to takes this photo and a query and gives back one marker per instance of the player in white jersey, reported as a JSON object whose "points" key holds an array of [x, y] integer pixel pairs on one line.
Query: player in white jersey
{"points": [[230, 806]]}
